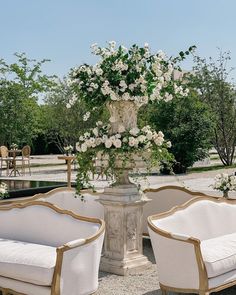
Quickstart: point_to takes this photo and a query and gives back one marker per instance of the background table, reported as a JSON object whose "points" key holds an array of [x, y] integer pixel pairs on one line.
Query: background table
{"points": [[69, 160], [14, 152]]}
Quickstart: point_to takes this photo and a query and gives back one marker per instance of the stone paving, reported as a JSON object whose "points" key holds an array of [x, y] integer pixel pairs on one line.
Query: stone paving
{"points": [[55, 170]]}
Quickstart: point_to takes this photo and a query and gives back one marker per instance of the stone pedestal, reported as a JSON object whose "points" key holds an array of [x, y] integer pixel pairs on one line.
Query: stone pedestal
{"points": [[123, 250]]}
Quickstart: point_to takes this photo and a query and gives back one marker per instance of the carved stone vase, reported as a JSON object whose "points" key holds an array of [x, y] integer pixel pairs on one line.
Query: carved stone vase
{"points": [[123, 204]]}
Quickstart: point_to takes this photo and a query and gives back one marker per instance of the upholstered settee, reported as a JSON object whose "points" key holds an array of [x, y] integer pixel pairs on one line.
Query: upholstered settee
{"points": [[195, 246], [45, 250]]}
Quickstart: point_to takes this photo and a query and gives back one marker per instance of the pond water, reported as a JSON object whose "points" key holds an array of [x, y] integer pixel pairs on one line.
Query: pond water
{"points": [[27, 188]]}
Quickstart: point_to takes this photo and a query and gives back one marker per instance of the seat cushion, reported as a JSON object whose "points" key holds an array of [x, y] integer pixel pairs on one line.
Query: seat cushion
{"points": [[27, 262], [219, 254]]}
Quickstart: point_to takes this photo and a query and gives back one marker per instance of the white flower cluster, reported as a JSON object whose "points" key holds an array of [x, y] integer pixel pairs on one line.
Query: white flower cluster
{"points": [[135, 138], [225, 182], [3, 190], [86, 116], [68, 148], [142, 76], [72, 101]]}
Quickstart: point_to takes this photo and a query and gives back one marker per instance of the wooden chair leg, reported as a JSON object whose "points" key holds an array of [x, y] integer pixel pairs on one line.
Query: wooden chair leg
{"points": [[204, 293], [29, 167]]}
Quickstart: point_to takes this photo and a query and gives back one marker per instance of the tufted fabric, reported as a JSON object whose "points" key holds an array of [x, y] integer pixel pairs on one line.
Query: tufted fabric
{"points": [[27, 262], [219, 254]]}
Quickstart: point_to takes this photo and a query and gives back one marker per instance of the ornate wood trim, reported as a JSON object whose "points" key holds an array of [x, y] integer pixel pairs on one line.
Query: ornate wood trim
{"points": [[176, 187], [203, 278], [55, 288]]}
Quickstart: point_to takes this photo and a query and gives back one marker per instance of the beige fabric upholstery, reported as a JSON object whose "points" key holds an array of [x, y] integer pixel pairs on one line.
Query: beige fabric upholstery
{"points": [[171, 255], [46, 229], [27, 262], [203, 220], [80, 269], [37, 239], [219, 254], [67, 199], [163, 200], [24, 288]]}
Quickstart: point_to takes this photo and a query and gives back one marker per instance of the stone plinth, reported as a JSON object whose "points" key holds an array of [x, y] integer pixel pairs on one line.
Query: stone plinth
{"points": [[123, 250]]}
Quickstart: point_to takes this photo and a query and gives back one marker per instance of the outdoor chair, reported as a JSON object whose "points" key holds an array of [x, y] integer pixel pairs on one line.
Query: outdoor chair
{"points": [[25, 159], [5, 158]]}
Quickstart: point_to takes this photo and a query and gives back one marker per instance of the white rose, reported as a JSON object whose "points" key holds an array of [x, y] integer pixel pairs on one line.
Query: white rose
{"points": [[68, 105], [108, 143], [134, 131], [168, 144], [95, 131], [117, 143], [159, 141], [160, 133], [141, 138], [149, 135], [84, 147], [81, 138], [131, 141]]}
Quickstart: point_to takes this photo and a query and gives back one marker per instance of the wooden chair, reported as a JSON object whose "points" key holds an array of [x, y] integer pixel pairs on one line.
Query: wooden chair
{"points": [[26, 151], [5, 158]]}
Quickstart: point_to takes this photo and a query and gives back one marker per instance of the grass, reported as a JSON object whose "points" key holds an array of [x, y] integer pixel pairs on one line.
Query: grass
{"points": [[210, 168]]}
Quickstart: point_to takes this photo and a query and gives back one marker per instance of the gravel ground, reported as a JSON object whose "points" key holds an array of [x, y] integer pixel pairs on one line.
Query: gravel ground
{"points": [[142, 284]]}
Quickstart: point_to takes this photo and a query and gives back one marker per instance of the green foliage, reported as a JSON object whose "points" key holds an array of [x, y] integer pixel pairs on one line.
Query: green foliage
{"points": [[63, 126], [211, 79], [21, 83], [186, 122]]}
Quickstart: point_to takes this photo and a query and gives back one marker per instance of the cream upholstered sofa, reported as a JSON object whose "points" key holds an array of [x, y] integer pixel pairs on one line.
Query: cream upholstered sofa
{"points": [[195, 246], [45, 250]]}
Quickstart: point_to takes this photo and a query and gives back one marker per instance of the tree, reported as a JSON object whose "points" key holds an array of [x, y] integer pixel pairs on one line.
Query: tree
{"points": [[21, 84], [63, 126], [211, 80], [187, 124]]}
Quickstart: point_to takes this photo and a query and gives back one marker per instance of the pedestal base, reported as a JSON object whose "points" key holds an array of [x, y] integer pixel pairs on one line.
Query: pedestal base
{"points": [[125, 267], [123, 247]]}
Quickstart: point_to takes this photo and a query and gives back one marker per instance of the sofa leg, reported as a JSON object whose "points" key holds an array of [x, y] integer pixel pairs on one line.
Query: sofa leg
{"points": [[204, 293], [163, 292]]}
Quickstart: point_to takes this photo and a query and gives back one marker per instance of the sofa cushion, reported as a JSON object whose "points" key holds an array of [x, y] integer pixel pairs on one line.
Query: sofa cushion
{"points": [[27, 262], [219, 254]]}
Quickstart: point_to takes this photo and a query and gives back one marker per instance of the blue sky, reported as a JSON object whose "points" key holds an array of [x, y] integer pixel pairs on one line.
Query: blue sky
{"points": [[63, 30]]}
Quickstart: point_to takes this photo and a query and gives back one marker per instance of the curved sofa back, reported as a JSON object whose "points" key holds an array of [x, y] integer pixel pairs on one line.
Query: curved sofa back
{"points": [[165, 198], [201, 218], [43, 223]]}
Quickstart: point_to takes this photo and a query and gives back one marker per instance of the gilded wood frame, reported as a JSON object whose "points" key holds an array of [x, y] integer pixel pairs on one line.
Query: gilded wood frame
{"points": [[55, 288], [203, 278]]}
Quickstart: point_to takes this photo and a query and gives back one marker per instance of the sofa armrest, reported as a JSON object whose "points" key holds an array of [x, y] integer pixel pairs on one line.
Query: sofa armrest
{"points": [[178, 259], [182, 237], [78, 265], [75, 243]]}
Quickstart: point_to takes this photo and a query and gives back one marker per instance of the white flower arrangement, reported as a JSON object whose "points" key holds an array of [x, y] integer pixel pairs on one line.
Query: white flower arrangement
{"points": [[225, 183], [122, 146], [3, 190], [68, 149], [121, 74], [127, 141]]}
